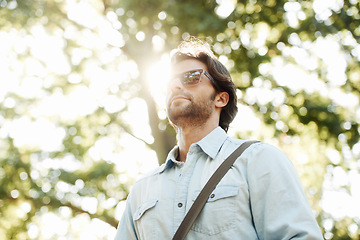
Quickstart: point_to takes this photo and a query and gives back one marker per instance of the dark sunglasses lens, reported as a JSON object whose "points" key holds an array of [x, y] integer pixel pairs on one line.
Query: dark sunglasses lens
{"points": [[191, 78]]}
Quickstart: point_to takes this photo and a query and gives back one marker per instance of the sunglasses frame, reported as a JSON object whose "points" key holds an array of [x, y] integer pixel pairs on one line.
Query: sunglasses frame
{"points": [[181, 77]]}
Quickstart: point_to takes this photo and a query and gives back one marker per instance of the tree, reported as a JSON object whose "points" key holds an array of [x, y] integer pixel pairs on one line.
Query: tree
{"points": [[77, 70]]}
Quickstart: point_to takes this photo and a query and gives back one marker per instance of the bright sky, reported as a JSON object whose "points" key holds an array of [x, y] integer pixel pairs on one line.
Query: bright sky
{"points": [[36, 130]]}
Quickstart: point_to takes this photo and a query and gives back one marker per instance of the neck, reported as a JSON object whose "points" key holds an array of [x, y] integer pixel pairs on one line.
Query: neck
{"points": [[192, 134]]}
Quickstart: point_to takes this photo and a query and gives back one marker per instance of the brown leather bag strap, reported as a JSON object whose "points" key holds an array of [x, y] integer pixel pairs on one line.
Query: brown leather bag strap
{"points": [[200, 201]]}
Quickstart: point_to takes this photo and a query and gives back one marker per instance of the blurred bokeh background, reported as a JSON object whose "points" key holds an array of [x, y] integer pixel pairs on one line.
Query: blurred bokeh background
{"points": [[82, 110]]}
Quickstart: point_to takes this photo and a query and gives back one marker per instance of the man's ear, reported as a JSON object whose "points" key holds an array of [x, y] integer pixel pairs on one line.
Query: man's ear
{"points": [[221, 99]]}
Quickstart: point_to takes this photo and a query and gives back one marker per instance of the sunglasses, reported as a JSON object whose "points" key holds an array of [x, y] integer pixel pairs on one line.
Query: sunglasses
{"points": [[192, 78]]}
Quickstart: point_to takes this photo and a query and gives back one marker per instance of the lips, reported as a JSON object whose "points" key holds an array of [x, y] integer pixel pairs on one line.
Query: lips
{"points": [[179, 97]]}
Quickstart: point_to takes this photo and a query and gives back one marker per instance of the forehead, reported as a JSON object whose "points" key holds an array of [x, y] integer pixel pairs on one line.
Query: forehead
{"points": [[187, 65]]}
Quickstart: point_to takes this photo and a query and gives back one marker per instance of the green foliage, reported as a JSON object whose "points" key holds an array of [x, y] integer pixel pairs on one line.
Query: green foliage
{"points": [[104, 59]]}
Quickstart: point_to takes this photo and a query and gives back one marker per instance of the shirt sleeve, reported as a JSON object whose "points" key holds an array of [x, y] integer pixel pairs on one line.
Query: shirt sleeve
{"points": [[279, 206], [126, 229]]}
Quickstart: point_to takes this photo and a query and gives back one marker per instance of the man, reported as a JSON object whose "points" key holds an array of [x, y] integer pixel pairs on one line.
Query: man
{"points": [[260, 197]]}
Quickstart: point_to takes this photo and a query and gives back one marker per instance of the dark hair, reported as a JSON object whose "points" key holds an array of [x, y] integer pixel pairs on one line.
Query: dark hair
{"points": [[194, 48]]}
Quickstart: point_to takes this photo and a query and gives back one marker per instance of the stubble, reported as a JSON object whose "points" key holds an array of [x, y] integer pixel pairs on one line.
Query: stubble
{"points": [[193, 114]]}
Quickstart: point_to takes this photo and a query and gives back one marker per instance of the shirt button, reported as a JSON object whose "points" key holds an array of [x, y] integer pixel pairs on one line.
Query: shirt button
{"points": [[180, 205], [212, 195]]}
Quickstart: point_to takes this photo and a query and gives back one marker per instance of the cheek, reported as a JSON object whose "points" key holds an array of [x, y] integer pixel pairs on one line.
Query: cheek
{"points": [[206, 95]]}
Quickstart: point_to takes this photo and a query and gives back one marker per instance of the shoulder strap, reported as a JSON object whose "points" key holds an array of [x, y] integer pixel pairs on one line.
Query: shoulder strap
{"points": [[205, 192]]}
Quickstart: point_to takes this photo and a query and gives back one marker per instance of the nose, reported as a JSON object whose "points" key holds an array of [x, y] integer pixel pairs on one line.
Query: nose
{"points": [[174, 84]]}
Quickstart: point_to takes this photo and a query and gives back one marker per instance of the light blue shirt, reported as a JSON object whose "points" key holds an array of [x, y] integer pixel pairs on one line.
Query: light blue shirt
{"points": [[260, 197]]}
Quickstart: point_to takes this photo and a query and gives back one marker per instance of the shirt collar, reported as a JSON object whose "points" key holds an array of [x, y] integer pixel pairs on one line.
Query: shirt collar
{"points": [[210, 144]]}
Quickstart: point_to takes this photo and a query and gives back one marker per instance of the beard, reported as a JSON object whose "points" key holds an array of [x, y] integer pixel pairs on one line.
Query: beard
{"points": [[193, 113]]}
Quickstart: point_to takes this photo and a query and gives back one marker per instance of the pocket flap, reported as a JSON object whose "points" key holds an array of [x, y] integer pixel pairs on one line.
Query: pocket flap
{"points": [[144, 207], [221, 191]]}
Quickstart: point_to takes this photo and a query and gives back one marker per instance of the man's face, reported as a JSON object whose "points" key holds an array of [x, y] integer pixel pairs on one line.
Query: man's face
{"points": [[189, 104]]}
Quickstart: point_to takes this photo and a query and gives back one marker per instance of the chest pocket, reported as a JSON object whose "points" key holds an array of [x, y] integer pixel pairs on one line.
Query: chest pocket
{"points": [[144, 219], [143, 208], [219, 211]]}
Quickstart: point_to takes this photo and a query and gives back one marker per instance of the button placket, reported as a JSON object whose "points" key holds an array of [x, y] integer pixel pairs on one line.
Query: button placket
{"points": [[183, 181]]}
